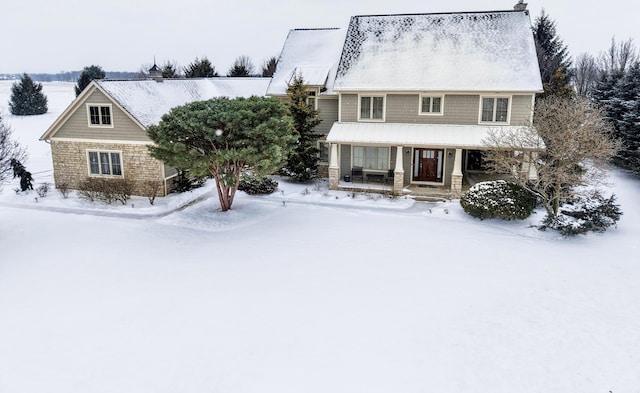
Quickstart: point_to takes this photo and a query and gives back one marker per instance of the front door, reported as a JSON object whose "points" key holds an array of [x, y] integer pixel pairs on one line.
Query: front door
{"points": [[427, 164]]}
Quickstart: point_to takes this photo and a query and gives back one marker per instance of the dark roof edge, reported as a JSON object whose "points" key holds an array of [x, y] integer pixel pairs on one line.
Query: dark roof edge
{"points": [[316, 28], [444, 13]]}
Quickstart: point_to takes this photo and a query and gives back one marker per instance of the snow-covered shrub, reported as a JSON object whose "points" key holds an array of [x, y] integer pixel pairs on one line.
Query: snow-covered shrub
{"points": [[500, 199], [583, 214], [63, 189], [42, 190], [253, 185]]}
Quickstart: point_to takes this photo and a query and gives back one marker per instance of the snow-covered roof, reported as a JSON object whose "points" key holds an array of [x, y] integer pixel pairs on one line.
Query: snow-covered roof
{"points": [[148, 100], [474, 51], [312, 53], [432, 135]]}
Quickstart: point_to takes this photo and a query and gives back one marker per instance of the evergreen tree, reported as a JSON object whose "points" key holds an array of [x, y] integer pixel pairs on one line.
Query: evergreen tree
{"points": [[200, 69], [269, 67], [302, 164], [221, 138], [618, 94], [87, 75], [27, 98], [25, 176], [242, 66], [558, 85], [552, 52], [170, 70]]}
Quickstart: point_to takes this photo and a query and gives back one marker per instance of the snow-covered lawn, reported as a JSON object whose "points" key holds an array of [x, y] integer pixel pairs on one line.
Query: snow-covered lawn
{"points": [[321, 293]]}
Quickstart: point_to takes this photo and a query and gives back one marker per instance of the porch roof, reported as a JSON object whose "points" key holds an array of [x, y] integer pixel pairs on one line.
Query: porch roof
{"points": [[428, 135]]}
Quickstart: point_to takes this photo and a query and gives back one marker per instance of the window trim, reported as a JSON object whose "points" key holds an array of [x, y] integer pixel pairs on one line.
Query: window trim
{"points": [[312, 99], [384, 107], [364, 158], [100, 106], [431, 95], [495, 103], [319, 147], [109, 152]]}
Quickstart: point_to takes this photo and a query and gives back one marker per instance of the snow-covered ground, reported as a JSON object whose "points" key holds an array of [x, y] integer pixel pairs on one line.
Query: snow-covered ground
{"points": [[321, 293]]}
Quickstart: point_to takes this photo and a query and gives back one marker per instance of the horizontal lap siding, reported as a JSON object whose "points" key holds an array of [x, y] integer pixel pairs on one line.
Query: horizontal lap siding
{"points": [[521, 110], [458, 109], [349, 107], [328, 114], [124, 129]]}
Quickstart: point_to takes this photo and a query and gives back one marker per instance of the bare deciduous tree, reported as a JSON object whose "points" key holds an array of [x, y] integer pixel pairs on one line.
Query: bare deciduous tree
{"points": [[577, 144], [585, 74], [9, 150], [618, 56]]}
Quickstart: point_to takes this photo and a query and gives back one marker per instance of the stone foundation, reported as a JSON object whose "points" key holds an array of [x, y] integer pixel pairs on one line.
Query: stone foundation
{"points": [[71, 167], [334, 178]]}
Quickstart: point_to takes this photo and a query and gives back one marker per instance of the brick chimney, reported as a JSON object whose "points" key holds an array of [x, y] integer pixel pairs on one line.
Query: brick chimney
{"points": [[521, 6]]}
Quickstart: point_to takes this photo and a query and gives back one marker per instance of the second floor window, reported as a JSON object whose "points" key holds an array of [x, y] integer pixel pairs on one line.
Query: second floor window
{"points": [[371, 107], [431, 105], [495, 109], [99, 115]]}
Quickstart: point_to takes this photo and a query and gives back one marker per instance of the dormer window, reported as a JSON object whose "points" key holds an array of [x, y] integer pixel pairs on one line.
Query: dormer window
{"points": [[371, 107], [99, 115], [494, 110]]}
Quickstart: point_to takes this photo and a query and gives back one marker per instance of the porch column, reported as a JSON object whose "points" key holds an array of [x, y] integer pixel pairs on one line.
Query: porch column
{"points": [[528, 171], [398, 173], [456, 174], [334, 167]]}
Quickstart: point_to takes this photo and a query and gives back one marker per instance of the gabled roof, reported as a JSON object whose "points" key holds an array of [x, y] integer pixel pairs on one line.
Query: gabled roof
{"points": [[471, 51], [312, 53], [145, 101]]}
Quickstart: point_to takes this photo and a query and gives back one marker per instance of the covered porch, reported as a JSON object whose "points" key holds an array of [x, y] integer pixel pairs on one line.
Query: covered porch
{"points": [[416, 159]]}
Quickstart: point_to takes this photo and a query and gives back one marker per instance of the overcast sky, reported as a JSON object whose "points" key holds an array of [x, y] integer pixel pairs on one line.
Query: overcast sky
{"points": [[121, 35]]}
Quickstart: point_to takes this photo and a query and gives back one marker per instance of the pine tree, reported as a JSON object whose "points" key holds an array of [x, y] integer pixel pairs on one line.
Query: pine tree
{"points": [[242, 66], [558, 85], [87, 75], [552, 52], [170, 70], [628, 125], [27, 98], [302, 164], [200, 69]]}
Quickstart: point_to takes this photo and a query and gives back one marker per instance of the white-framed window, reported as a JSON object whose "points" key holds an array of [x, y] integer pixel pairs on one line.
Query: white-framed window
{"points": [[104, 163], [323, 152], [431, 104], [311, 99], [99, 115], [370, 157], [494, 109], [371, 108]]}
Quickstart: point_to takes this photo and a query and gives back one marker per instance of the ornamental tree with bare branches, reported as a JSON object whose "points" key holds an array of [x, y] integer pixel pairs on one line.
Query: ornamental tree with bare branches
{"points": [[10, 151], [566, 148]]}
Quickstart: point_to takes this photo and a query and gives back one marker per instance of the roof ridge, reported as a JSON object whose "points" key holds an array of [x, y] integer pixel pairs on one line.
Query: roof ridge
{"points": [[442, 13], [316, 28]]}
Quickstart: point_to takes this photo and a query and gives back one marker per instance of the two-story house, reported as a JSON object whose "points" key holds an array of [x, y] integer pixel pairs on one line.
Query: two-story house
{"points": [[418, 94]]}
